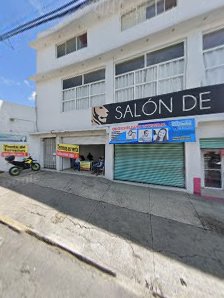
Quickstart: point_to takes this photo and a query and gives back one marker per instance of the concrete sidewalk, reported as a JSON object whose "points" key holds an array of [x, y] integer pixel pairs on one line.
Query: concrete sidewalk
{"points": [[164, 242]]}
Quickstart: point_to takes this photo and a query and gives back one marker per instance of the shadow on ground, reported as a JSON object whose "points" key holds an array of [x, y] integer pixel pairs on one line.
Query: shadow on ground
{"points": [[194, 246]]}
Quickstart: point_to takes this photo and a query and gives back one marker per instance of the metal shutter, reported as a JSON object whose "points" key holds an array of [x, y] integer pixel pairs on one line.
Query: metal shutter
{"points": [[161, 164], [212, 143]]}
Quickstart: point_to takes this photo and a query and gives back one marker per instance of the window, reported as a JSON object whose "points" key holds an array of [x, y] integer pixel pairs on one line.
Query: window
{"points": [[130, 65], [161, 72], [84, 91], [213, 50], [72, 45], [82, 41], [145, 11]]}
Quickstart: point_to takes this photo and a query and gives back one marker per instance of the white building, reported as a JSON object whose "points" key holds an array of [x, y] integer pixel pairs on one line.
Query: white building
{"points": [[16, 122], [111, 52]]}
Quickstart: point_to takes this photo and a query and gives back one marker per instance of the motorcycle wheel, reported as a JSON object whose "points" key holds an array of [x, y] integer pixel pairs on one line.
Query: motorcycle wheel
{"points": [[14, 171], [35, 166]]}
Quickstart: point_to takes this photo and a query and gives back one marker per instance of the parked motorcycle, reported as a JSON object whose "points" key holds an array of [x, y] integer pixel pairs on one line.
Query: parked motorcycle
{"points": [[19, 166]]}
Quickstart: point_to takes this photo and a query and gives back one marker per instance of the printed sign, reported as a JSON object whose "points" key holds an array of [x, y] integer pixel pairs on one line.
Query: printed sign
{"points": [[85, 166], [176, 131], [16, 150], [67, 151], [6, 137], [198, 101]]}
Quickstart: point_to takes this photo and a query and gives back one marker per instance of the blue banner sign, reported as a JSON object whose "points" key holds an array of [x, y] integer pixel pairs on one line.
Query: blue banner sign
{"points": [[175, 131]]}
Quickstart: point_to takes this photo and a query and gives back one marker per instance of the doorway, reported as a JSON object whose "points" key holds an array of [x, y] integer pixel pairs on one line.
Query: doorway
{"points": [[50, 153], [213, 169]]}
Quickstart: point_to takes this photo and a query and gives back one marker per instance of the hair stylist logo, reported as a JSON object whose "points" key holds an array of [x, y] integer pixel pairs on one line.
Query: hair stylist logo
{"points": [[198, 101], [99, 115]]}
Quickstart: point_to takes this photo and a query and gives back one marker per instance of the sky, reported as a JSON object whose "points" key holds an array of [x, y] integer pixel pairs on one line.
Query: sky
{"points": [[17, 58]]}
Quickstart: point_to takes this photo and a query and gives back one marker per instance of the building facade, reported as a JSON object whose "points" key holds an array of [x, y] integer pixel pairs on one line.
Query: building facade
{"points": [[109, 57], [16, 123]]}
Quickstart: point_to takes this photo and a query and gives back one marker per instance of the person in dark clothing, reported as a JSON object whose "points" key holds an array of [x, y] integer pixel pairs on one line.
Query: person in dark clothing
{"points": [[98, 166], [90, 157]]}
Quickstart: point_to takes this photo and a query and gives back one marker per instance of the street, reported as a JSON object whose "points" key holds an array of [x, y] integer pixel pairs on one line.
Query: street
{"points": [[158, 242], [31, 268]]}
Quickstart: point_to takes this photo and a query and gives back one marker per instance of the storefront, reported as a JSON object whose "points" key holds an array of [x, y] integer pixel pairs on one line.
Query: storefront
{"points": [[90, 148], [212, 150], [148, 150], [159, 164], [152, 153]]}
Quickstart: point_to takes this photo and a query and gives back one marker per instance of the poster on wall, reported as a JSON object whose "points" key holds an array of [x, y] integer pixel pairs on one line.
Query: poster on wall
{"points": [[175, 131], [7, 137], [67, 151], [16, 150]]}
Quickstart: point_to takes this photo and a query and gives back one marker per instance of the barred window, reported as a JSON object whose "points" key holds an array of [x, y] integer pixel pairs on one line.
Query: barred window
{"points": [[84, 91]]}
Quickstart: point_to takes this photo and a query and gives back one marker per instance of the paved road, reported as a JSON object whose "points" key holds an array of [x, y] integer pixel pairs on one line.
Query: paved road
{"points": [[165, 242], [31, 268]]}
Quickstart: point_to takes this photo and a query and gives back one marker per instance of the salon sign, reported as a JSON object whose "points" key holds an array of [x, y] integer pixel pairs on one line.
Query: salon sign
{"points": [[198, 101], [67, 151], [177, 131]]}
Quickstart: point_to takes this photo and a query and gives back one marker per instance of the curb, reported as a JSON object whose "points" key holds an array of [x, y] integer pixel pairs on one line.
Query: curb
{"points": [[21, 228], [13, 224]]}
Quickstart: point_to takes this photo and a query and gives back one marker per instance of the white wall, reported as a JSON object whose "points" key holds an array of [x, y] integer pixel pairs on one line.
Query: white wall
{"points": [[22, 118], [18, 120], [49, 92], [104, 33]]}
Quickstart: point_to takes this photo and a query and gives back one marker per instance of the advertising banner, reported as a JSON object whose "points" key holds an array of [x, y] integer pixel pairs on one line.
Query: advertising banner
{"points": [[16, 150], [67, 151], [175, 131], [191, 102]]}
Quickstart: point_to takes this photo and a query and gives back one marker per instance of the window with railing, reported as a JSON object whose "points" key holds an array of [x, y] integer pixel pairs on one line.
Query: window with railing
{"points": [[213, 48], [84, 91], [145, 11], [72, 45], [154, 73]]}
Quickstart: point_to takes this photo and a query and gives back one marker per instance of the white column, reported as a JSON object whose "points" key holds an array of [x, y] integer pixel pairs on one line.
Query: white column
{"points": [[110, 82], [109, 160], [193, 164], [109, 149], [195, 71], [195, 75], [58, 158]]}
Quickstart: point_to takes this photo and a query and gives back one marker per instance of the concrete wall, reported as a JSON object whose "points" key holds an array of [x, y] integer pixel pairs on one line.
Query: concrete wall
{"points": [[104, 30], [15, 120], [49, 92]]}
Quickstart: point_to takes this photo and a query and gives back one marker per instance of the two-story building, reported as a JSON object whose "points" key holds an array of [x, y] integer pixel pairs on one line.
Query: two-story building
{"points": [[120, 66]]}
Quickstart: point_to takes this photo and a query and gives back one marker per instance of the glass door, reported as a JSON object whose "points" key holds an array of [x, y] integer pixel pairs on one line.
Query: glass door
{"points": [[213, 169]]}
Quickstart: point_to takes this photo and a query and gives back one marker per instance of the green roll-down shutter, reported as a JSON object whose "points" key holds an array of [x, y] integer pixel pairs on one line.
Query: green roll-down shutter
{"points": [[212, 143], [161, 164]]}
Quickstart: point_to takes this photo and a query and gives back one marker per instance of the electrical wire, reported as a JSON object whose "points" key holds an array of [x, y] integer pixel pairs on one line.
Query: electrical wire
{"points": [[50, 16], [24, 17]]}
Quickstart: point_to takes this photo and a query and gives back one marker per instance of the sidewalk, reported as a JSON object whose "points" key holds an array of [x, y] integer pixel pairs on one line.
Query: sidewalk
{"points": [[166, 243]]}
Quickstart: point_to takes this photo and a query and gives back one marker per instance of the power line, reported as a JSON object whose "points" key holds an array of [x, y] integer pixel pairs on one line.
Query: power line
{"points": [[57, 13], [24, 17]]}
